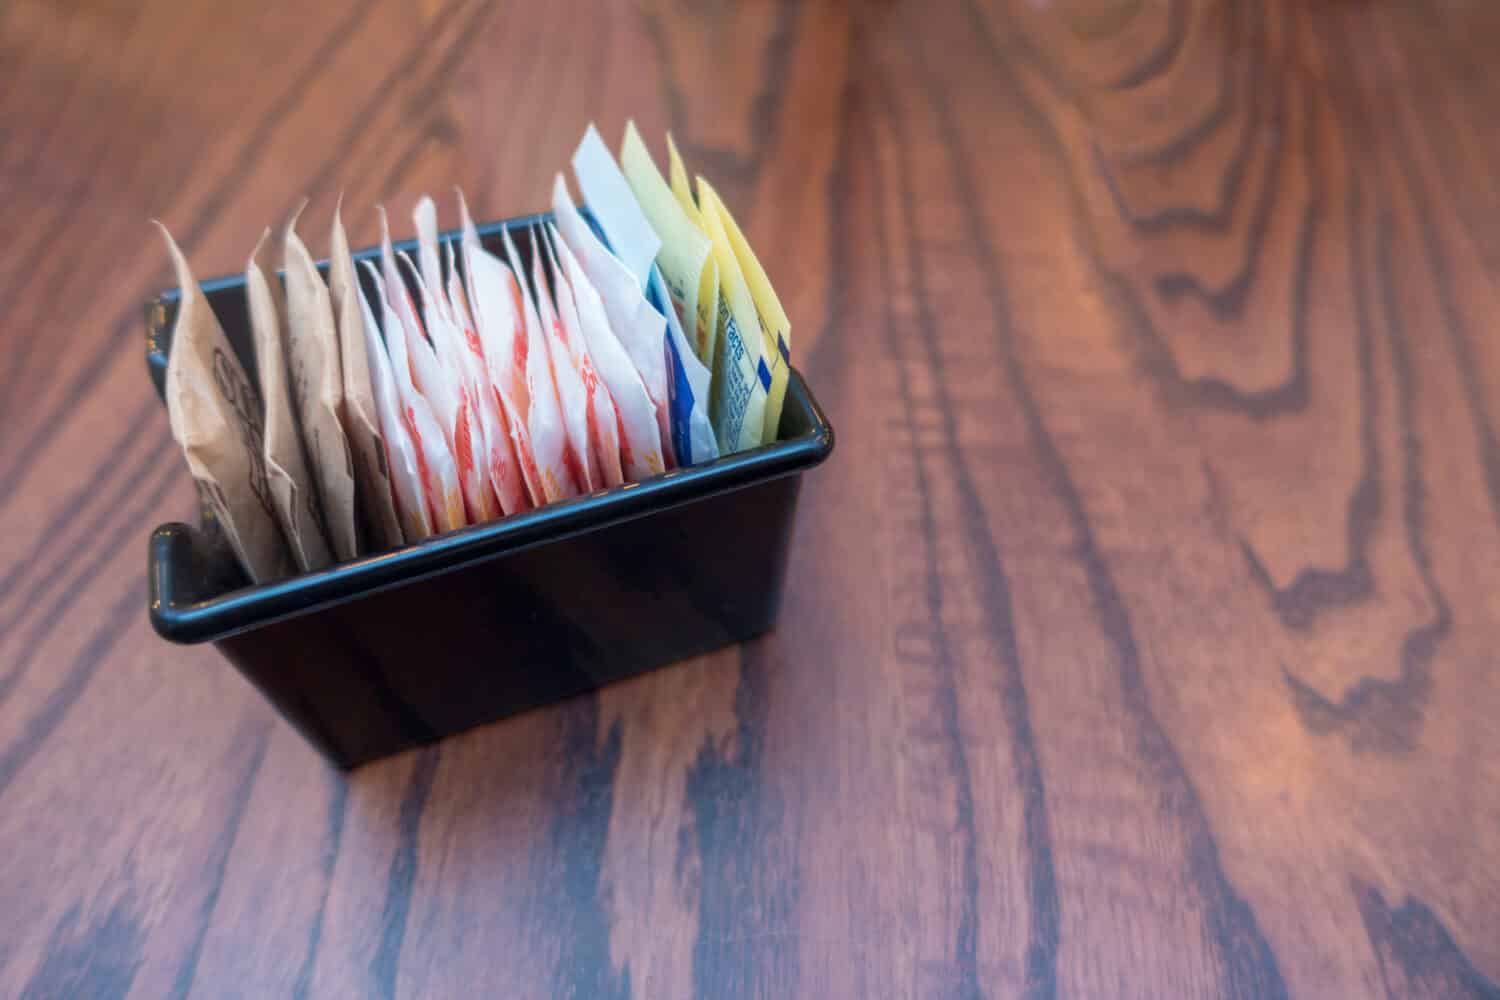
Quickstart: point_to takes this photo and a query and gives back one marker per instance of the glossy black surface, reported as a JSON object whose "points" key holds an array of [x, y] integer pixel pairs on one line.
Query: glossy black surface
{"points": [[389, 651]]}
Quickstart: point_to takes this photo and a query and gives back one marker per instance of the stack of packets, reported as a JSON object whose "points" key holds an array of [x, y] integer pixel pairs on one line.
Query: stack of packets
{"points": [[464, 387]]}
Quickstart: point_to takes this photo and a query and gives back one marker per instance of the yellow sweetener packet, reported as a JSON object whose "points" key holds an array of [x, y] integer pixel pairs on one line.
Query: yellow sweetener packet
{"points": [[681, 186], [775, 328], [742, 373], [686, 256]]}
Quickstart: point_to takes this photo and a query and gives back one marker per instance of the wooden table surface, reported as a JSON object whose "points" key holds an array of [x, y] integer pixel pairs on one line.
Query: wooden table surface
{"points": [[1140, 637]]}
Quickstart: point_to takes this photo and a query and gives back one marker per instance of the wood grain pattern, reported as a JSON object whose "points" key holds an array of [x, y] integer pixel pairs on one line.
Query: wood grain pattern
{"points": [[1140, 636]]}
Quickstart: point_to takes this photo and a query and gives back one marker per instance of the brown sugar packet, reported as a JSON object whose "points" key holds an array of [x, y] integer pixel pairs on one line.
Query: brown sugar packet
{"points": [[216, 417], [361, 420], [318, 390], [293, 493]]}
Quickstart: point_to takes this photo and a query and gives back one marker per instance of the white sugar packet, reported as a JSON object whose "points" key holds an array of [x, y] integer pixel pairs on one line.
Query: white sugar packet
{"points": [[569, 380], [437, 366], [603, 418], [407, 486], [549, 438], [445, 498], [640, 436], [638, 246], [496, 298], [641, 329], [498, 460]]}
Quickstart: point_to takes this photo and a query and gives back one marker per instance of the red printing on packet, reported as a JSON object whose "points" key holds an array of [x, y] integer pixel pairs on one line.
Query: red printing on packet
{"points": [[434, 503]]}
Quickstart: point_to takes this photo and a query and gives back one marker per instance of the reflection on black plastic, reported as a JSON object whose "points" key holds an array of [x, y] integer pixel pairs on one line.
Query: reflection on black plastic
{"points": [[393, 650]]}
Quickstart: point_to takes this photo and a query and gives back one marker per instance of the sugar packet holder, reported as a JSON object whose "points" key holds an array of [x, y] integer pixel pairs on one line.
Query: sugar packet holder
{"points": [[398, 649]]}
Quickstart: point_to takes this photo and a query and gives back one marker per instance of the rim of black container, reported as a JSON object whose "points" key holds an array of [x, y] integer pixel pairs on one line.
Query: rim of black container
{"points": [[256, 605]]}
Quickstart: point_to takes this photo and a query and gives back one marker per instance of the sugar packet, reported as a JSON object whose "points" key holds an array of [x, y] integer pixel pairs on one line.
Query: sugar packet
{"points": [[439, 372], [216, 417], [294, 495], [403, 460], [633, 240], [742, 375], [361, 421], [686, 256], [640, 436], [445, 499], [602, 418], [498, 459], [641, 329], [568, 379], [775, 328], [496, 300], [549, 438], [318, 390]]}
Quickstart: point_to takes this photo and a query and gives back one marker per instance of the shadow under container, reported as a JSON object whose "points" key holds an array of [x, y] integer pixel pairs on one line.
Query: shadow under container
{"points": [[398, 649]]}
